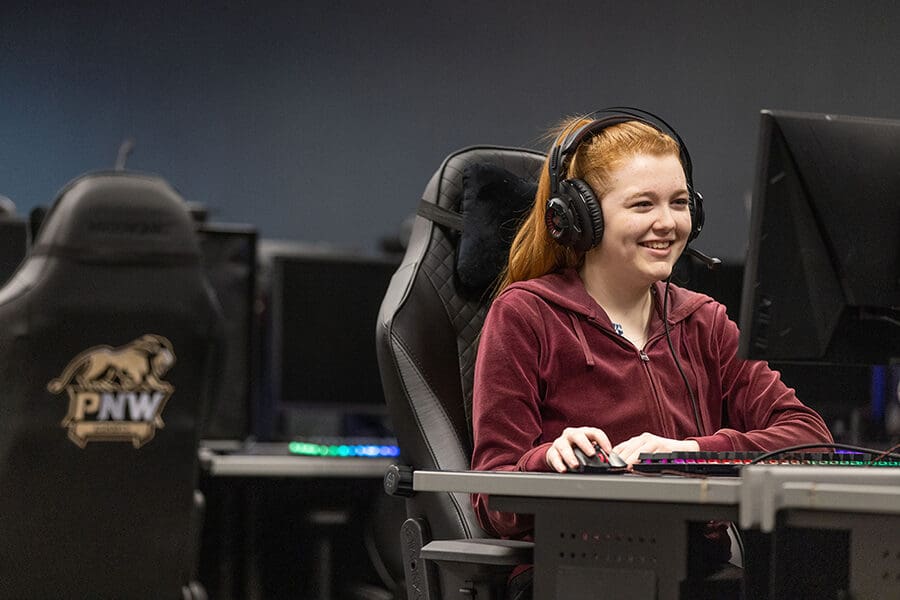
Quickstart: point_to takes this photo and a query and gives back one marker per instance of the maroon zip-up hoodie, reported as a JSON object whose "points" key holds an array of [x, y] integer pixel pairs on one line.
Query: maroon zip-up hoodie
{"points": [[549, 358]]}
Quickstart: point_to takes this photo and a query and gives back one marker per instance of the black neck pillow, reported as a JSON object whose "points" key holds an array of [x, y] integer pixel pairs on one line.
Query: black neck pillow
{"points": [[494, 203]]}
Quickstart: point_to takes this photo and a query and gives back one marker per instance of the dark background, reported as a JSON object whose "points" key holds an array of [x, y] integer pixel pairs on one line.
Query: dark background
{"points": [[322, 121]]}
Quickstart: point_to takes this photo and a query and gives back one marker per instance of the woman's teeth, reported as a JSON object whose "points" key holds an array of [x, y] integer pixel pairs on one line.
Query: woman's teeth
{"points": [[657, 245]]}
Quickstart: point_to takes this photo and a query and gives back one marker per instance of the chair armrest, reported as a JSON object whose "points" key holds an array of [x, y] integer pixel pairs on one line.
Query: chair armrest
{"points": [[479, 551]]}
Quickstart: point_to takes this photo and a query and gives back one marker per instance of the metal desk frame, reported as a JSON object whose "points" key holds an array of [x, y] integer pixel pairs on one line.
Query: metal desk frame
{"points": [[624, 534]]}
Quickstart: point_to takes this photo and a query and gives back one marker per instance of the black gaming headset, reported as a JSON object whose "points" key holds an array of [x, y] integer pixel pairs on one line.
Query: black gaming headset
{"points": [[573, 214]]}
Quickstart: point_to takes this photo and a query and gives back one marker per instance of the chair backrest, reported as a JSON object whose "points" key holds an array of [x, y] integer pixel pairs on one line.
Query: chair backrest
{"points": [[428, 327], [13, 245], [109, 341]]}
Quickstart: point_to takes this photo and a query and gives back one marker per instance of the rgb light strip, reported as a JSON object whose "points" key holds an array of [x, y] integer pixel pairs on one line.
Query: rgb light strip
{"points": [[343, 450]]}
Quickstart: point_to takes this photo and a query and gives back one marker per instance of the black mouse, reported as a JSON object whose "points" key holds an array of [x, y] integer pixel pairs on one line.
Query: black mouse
{"points": [[600, 462], [615, 460]]}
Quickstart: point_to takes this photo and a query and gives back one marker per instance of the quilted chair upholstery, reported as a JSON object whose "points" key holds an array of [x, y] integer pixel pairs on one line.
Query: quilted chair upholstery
{"points": [[427, 338], [109, 342]]}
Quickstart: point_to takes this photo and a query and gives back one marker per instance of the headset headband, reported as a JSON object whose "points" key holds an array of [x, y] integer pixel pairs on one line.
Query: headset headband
{"points": [[600, 120]]}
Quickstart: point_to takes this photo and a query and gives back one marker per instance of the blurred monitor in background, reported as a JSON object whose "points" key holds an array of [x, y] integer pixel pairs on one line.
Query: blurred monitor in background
{"points": [[229, 254], [321, 371]]}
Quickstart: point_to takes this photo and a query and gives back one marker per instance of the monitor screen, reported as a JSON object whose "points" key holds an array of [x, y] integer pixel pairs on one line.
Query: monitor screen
{"points": [[229, 259], [822, 276], [324, 307]]}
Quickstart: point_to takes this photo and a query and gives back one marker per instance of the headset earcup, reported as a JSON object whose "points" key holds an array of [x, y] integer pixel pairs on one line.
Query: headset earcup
{"points": [[590, 218], [698, 217], [562, 224]]}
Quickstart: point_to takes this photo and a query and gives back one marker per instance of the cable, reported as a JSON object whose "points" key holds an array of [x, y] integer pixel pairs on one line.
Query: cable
{"points": [[886, 453], [687, 384], [836, 446]]}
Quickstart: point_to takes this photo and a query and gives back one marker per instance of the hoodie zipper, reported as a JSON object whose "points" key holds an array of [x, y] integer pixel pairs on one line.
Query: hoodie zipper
{"points": [[655, 391], [645, 359]]}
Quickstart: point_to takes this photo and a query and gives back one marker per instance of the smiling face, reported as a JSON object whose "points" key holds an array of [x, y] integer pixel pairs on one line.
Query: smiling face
{"points": [[646, 221]]}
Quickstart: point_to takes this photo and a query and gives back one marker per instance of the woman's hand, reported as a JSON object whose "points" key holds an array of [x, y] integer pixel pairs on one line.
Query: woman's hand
{"points": [[631, 449], [560, 455]]}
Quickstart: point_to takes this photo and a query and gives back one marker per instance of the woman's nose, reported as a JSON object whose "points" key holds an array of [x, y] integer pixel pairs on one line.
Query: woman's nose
{"points": [[665, 219]]}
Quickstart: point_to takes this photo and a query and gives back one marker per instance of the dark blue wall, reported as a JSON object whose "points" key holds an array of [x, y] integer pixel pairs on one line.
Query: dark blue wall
{"points": [[322, 121]]}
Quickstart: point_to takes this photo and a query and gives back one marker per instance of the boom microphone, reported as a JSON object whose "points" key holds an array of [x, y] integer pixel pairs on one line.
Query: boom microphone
{"points": [[712, 263]]}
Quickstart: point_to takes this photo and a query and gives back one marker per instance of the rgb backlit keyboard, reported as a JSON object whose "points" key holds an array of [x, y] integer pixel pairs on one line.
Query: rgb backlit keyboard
{"points": [[730, 463]]}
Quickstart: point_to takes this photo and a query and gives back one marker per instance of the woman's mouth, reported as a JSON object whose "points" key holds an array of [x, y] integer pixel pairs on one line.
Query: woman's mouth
{"points": [[658, 245]]}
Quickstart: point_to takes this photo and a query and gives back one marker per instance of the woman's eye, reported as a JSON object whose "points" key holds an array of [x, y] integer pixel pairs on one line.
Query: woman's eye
{"points": [[681, 201]]}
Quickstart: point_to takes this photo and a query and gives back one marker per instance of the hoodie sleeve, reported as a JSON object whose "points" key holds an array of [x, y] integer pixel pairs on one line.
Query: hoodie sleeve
{"points": [[506, 419], [764, 412]]}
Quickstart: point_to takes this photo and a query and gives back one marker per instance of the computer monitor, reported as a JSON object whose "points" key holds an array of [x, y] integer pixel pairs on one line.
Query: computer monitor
{"points": [[13, 245], [229, 260], [822, 274], [323, 311]]}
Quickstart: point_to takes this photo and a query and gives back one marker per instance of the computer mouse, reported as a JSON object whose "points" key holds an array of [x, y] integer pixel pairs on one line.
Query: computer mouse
{"points": [[615, 460], [600, 461]]}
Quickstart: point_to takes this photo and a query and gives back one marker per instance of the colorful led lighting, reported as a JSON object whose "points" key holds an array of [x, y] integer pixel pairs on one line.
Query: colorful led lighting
{"points": [[343, 450]]}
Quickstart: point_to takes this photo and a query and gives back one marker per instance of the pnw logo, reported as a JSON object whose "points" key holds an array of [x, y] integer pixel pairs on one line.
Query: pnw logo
{"points": [[117, 394]]}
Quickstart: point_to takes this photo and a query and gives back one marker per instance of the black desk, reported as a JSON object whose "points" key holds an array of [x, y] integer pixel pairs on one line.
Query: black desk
{"points": [[283, 526], [624, 534]]}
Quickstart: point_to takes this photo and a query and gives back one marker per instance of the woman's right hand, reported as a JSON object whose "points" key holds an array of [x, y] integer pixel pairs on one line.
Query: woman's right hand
{"points": [[560, 456]]}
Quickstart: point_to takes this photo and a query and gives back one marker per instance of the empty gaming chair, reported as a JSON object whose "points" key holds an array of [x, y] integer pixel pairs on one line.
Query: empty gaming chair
{"points": [[13, 243], [109, 341], [427, 337]]}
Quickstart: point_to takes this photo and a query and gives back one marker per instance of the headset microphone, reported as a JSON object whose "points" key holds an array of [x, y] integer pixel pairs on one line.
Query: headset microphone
{"points": [[712, 263]]}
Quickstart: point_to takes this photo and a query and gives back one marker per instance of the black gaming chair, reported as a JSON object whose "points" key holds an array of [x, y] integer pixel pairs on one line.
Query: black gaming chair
{"points": [[427, 338], [109, 342]]}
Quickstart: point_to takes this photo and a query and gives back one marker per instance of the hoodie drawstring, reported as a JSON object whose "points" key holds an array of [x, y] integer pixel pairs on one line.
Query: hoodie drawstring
{"points": [[576, 323]]}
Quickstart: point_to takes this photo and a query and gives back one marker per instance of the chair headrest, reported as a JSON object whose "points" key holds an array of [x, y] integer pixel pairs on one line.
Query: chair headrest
{"points": [[119, 217], [494, 202], [483, 192], [7, 207]]}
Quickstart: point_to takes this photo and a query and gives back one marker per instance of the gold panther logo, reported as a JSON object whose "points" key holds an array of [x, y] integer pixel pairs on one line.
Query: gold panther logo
{"points": [[117, 394]]}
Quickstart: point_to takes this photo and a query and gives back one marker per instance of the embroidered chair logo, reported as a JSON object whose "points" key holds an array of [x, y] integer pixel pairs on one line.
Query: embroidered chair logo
{"points": [[117, 394]]}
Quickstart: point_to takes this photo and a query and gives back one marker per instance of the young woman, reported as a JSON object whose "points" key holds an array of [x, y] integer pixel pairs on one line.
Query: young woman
{"points": [[574, 350]]}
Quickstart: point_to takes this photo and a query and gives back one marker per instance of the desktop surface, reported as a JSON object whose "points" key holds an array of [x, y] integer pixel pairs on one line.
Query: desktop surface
{"points": [[321, 457]]}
